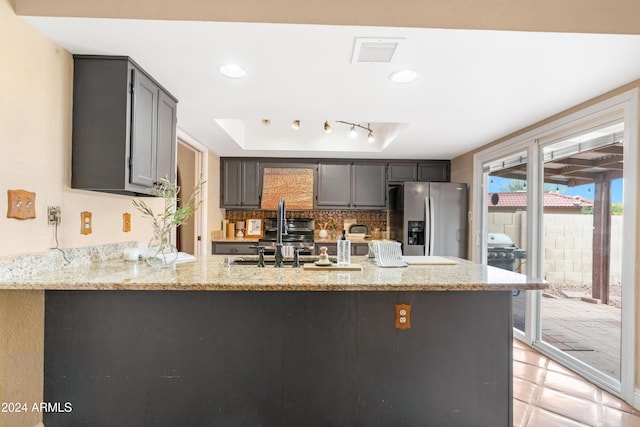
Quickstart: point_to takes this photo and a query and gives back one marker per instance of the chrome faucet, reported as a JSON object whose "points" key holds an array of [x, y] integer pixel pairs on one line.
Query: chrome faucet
{"points": [[281, 230]]}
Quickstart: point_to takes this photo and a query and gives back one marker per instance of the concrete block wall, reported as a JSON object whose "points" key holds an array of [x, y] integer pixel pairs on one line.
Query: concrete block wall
{"points": [[568, 244]]}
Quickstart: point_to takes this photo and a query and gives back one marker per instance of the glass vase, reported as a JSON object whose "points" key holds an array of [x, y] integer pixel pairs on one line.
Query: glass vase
{"points": [[161, 253]]}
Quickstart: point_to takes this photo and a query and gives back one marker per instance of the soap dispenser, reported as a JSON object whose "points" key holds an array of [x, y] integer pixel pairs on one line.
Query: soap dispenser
{"points": [[344, 250]]}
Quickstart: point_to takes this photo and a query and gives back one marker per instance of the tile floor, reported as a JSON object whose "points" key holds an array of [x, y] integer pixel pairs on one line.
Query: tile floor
{"points": [[545, 394]]}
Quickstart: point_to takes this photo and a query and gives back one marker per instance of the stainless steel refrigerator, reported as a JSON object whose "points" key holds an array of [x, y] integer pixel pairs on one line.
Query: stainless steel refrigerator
{"points": [[429, 218]]}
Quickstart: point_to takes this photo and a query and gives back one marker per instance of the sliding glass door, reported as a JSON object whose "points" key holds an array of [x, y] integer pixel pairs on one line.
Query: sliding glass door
{"points": [[552, 203], [580, 314]]}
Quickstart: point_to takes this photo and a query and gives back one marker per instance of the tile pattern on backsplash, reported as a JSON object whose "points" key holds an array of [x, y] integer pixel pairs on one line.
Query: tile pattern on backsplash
{"points": [[373, 219]]}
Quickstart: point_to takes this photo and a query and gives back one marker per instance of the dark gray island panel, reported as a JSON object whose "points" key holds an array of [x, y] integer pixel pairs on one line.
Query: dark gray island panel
{"points": [[168, 358]]}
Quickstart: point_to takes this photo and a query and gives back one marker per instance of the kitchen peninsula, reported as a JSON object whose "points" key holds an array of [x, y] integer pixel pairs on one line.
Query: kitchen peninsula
{"points": [[232, 345]]}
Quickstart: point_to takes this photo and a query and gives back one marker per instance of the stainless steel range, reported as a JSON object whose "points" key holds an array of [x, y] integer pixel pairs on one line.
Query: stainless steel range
{"points": [[299, 234]]}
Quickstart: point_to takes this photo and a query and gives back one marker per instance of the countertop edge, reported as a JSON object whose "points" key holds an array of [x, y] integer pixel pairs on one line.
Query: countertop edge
{"points": [[125, 286], [210, 273]]}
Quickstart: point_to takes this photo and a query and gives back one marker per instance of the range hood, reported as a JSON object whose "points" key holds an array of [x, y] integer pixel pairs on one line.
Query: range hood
{"points": [[294, 184]]}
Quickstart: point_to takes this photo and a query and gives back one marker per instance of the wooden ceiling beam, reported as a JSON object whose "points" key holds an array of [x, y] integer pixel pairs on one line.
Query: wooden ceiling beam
{"points": [[611, 149], [605, 161], [574, 161]]}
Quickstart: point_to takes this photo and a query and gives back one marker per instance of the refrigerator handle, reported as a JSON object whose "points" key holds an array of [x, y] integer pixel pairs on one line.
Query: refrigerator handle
{"points": [[430, 225], [427, 228]]}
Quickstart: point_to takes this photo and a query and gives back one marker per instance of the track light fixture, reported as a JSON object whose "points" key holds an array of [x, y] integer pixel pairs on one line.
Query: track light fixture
{"points": [[353, 133], [370, 138]]}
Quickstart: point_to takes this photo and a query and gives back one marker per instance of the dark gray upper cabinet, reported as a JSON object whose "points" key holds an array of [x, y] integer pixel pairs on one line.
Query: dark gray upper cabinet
{"points": [[368, 185], [432, 170], [403, 172], [230, 183], [144, 125], [358, 185], [166, 146], [241, 183], [338, 184], [251, 188], [435, 170], [124, 127], [333, 185]]}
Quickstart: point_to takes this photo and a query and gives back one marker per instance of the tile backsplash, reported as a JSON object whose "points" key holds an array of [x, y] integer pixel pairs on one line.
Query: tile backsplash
{"points": [[373, 219]]}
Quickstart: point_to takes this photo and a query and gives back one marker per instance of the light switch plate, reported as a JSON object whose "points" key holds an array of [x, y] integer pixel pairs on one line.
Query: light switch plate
{"points": [[21, 204]]}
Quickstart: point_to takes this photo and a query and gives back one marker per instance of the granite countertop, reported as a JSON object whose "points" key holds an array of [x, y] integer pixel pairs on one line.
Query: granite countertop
{"points": [[212, 273]]}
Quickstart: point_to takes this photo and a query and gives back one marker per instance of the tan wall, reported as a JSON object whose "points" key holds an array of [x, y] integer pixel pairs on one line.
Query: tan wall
{"points": [[215, 213], [21, 354], [597, 16], [35, 147]]}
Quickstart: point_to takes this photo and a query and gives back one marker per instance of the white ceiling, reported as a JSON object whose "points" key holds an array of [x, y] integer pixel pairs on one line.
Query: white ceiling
{"points": [[473, 86]]}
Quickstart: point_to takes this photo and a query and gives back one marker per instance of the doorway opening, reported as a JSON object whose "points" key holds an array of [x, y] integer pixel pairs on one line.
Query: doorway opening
{"points": [[192, 163]]}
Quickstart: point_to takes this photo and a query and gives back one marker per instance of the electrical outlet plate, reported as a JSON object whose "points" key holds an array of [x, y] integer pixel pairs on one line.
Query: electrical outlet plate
{"points": [[403, 316], [85, 222], [126, 222], [53, 215]]}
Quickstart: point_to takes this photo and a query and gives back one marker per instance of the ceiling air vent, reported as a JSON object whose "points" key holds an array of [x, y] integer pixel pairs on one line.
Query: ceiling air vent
{"points": [[371, 49]]}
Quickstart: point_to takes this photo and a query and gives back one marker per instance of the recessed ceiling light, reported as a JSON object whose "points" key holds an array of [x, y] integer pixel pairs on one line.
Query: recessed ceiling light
{"points": [[403, 76], [233, 71]]}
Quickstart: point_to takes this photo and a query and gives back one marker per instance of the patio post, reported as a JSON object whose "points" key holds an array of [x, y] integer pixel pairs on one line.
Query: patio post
{"points": [[601, 238]]}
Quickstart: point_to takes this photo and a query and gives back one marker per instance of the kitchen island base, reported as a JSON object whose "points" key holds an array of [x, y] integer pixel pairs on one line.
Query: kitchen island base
{"points": [[251, 358]]}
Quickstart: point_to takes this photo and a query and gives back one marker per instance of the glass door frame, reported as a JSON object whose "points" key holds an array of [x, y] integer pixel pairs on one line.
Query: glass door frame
{"points": [[625, 107]]}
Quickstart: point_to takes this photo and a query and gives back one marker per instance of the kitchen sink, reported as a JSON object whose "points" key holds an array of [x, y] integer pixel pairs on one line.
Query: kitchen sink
{"points": [[269, 260]]}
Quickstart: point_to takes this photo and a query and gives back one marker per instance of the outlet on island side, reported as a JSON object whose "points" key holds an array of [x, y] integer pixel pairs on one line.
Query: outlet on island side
{"points": [[403, 316]]}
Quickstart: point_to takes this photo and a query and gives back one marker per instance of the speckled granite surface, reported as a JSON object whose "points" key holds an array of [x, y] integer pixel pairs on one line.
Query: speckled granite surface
{"points": [[23, 266], [212, 273]]}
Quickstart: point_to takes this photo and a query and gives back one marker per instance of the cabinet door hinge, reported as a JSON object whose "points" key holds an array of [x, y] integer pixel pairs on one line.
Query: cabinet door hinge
{"points": [[131, 88]]}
